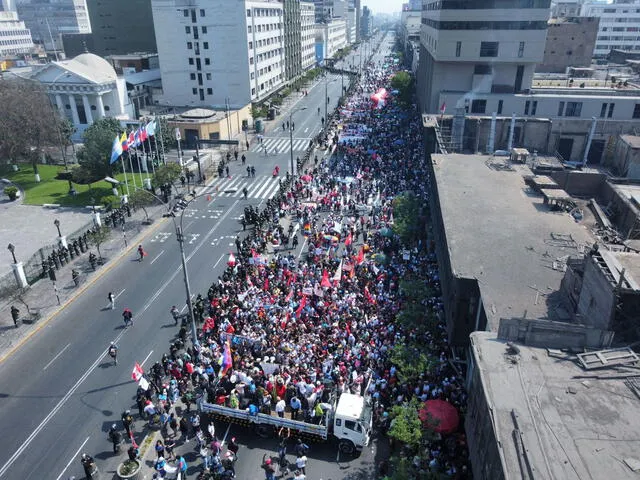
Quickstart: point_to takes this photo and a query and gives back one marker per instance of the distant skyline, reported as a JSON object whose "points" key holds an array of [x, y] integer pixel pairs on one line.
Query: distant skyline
{"points": [[384, 6]]}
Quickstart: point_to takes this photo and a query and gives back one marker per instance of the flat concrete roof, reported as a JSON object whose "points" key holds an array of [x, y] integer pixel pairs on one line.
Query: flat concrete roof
{"points": [[575, 424], [500, 232]]}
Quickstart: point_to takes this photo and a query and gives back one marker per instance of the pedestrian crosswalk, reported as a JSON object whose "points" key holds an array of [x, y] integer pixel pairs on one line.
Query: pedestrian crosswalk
{"points": [[281, 145], [259, 187]]}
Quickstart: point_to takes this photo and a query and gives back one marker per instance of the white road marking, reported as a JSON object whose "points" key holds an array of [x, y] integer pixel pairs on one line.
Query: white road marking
{"points": [[146, 358], [54, 358], [225, 435], [221, 257], [302, 249], [121, 292], [73, 458], [157, 257], [306, 130], [20, 450]]}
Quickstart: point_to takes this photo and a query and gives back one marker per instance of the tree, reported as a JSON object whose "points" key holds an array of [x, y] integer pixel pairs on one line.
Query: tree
{"points": [[166, 174], [141, 199], [403, 82], [164, 131], [407, 217], [411, 360], [98, 236], [406, 426], [95, 154], [28, 122]]}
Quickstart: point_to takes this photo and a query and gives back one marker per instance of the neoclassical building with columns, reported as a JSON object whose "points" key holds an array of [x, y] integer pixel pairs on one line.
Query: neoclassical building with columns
{"points": [[85, 89]]}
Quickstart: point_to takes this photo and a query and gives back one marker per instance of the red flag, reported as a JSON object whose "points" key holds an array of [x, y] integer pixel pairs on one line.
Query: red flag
{"points": [[289, 295], [232, 260], [266, 285], [443, 107], [360, 257], [368, 295], [348, 240], [137, 372], [325, 280], [291, 280], [303, 302]]}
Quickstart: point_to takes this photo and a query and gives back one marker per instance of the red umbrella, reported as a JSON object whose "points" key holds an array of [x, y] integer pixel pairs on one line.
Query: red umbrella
{"points": [[439, 416]]}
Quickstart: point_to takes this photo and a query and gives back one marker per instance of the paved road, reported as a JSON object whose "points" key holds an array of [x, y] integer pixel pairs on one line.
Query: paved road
{"points": [[59, 393]]}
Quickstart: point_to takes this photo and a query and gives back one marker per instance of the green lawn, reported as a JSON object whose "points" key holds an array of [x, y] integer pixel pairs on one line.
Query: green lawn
{"points": [[50, 190]]}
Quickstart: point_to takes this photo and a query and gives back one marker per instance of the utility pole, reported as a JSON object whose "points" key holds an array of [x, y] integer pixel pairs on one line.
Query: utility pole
{"points": [[194, 334]]}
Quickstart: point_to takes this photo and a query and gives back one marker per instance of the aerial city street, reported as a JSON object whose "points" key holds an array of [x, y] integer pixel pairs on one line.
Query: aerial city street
{"points": [[319, 240]]}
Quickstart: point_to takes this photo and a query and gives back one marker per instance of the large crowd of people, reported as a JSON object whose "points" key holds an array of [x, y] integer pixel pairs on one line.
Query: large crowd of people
{"points": [[282, 332]]}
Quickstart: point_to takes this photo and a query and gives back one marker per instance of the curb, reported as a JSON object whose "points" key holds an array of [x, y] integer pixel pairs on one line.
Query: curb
{"points": [[85, 286]]}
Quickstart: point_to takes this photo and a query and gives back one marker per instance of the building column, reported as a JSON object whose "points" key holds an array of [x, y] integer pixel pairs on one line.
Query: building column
{"points": [[60, 105], [74, 109], [87, 109], [100, 106]]}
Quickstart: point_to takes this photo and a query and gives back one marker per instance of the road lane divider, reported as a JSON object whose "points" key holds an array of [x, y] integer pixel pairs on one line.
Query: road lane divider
{"points": [[54, 358], [73, 457]]}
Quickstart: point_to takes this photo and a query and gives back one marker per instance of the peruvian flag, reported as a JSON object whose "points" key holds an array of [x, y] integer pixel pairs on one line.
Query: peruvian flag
{"points": [[143, 133], [303, 302], [325, 280], [360, 257], [232, 260], [349, 240], [137, 372], [368, 295], [338, 275]]}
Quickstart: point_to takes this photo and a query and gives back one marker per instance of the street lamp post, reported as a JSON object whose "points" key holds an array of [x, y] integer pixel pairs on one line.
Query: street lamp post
{"points": [[56, 222], [12, 249], [293, 170]]}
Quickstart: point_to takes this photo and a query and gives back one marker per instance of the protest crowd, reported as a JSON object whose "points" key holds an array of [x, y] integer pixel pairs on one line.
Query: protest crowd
{"points": [[281, 333]]}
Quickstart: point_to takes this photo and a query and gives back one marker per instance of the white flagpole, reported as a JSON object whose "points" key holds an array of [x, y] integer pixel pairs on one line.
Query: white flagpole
{"points": [[153, 167], [131, 167], [164, 160]]}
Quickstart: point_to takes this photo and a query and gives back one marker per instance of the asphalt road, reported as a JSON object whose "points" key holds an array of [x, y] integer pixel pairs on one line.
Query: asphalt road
{"points": [[59, 393]]}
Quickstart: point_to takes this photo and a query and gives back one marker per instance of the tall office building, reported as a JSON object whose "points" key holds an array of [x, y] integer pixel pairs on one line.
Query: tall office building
{"points": [[358, 10], [478, 46], [15, 37], [214, 52], [8, 6], [619, 27], [308, 34], [112, 32], [49, 19], [366, 22], [292, 39]]}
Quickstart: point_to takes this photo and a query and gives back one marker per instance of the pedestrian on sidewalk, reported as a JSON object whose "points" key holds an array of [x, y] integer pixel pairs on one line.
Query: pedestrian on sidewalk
{"points": [[15, 315], [184, 429], [301, 463], [112, 300], [159, 449]]}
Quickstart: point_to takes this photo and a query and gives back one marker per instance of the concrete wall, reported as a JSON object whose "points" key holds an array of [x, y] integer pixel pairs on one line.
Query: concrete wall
{"points": [[570, 43], [547, 334], [580, 184], [625, 213], [626, 160], [596, 297]]}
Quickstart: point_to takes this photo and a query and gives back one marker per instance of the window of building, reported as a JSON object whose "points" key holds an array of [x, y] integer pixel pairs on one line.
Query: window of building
{"points": [[190, 61], [521, 50], [250, 45], [500, 103], [603, 110], [194, 91], [458, 48], [478, 106], [193, 76], [186, 13], [534, 107], [195, 32], [489, 49], [209, 91], [208, 76], [253, 91], [611, 107], [636, 111], [560, 108], [249, 28], [202, 12], [189, 45], [205, 45], [250, 60], [526, 107], [574, 109], [204, 30], [482, 69], [187, 30], [207, 61], [193, 16], [248, 12]]}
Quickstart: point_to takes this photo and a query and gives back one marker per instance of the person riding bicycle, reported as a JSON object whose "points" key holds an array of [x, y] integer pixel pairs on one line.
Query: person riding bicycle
{"points": [[113, 353], [175, 313]]}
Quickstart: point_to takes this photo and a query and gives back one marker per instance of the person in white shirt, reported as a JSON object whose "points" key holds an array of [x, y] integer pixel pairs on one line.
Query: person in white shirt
{"points": [[301, 463], [280, 406], [299, 475]]}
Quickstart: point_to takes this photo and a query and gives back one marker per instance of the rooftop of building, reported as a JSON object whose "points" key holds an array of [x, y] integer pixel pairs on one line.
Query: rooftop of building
{"points": [[501, 233], [132, 56], [575, 424], [632, 140]]}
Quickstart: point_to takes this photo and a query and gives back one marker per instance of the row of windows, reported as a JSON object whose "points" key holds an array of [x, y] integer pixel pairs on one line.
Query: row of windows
{"points": [[190, 45], [14, 33], [619, 39], [616, 47], [264, 12], [186, 12], [484, 25], [266, 28], [264, 43], [566, 109], [485, 4], [22, 41], [619, 29], [265, 56], [196, 35]]}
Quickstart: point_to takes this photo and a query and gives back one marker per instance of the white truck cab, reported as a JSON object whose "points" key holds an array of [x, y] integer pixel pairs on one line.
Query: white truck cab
{"points": [[352, 422]]}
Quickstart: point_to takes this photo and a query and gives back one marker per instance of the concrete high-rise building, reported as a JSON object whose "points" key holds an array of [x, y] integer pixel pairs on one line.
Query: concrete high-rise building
{"points": [[292, 39], [366, 22], [112, 32], [330, 37], [619, 26], [49, 19], [358, 19], [308, 34], [478, 47], [15, 37], [216, 52], [8, 6], [570, 43]]}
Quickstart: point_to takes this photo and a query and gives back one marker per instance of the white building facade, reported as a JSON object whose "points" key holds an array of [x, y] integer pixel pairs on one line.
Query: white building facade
{"points": [[214, 53], [15, 37], [307, 20], [619, 26], [49, 20], [335, 34], [85, 89], [474, 47]]}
